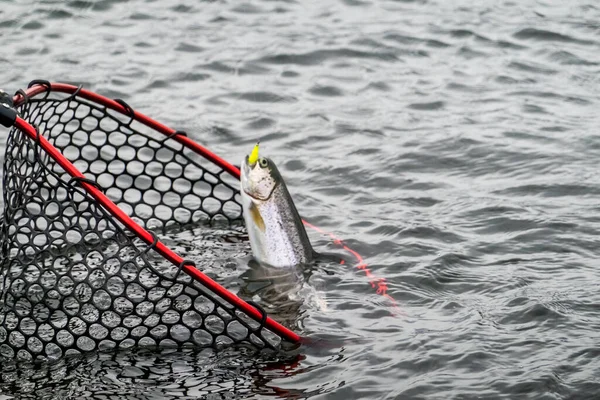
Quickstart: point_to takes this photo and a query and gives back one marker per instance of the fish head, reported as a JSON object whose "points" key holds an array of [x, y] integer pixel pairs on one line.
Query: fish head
{"points": [[259, 176]]}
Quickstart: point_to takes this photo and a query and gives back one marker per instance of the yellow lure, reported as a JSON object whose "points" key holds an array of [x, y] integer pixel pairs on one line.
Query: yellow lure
{"points": [[253, 158]]}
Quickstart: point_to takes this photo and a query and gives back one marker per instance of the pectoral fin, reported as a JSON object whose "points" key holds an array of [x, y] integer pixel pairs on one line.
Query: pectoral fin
{"points": [[256, 217]]}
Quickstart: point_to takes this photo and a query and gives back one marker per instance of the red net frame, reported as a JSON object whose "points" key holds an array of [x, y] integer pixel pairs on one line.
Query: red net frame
{"points": [[39, 91]]}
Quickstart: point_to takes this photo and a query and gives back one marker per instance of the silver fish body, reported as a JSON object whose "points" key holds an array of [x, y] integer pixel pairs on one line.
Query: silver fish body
{"points": [[276, 232]]}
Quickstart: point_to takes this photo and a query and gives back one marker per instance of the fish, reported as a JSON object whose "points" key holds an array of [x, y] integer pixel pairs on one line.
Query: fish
{"points": [[276, 232]]}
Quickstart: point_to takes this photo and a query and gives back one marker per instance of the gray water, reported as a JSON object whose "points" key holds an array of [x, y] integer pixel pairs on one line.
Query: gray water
{"points": [[453, 144]]}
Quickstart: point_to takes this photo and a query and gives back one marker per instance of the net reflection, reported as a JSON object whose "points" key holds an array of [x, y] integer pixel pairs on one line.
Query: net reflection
{"points": [[237, 372]]}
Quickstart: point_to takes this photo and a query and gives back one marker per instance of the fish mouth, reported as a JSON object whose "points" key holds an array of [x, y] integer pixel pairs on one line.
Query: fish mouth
{"points": [[265, 199], [254, 197]]}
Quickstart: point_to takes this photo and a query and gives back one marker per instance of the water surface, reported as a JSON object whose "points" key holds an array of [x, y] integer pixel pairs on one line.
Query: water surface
{"points": [[453, 144]]}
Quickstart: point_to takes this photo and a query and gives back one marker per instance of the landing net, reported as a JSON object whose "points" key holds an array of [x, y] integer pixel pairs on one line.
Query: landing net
{"points": [[87, 183]]}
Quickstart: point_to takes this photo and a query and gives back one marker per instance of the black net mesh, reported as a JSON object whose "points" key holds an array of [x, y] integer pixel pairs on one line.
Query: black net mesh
{"points": [[74, 279]]}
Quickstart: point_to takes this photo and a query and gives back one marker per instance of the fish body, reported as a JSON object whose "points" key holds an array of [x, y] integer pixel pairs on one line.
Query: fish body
{"points": [[276, 232]]}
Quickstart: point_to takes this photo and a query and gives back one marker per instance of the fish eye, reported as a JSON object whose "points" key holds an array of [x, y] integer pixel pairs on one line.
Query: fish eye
{"points": [[263, 162]]}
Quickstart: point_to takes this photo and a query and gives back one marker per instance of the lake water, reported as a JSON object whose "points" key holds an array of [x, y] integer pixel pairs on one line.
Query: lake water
{"points": [[453, 144]]}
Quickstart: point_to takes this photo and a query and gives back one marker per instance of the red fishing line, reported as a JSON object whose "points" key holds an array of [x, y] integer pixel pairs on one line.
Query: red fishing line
{"points": [[377, 283]]}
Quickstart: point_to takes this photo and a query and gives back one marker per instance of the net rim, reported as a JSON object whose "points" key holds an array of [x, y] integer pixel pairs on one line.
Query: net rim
{"points": [[40, 87]]}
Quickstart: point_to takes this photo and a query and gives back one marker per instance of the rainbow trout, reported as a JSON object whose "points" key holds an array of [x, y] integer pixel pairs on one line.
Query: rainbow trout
{"points": [[277, 234]]}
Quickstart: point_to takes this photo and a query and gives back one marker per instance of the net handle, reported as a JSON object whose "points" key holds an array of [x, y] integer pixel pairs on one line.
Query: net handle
{"points": [[122, 107], [140, 232]]}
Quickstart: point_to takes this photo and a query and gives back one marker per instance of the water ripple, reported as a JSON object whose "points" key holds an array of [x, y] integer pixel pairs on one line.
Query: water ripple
{"points": [[545, 35], [319, 56]]}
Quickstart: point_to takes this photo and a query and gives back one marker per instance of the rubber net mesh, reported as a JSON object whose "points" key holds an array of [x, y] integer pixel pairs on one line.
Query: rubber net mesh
{"points": [[73, 279]]}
